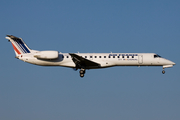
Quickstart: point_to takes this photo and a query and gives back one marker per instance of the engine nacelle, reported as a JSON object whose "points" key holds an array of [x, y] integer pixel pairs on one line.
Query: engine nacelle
{"points": [[47, 55]]}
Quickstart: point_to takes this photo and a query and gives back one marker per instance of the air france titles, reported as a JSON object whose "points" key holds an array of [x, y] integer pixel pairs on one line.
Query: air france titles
{"points": [[128, 57]]}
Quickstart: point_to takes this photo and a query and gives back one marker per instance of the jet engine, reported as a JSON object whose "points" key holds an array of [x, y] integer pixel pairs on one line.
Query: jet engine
{"points": [[47, 55]]}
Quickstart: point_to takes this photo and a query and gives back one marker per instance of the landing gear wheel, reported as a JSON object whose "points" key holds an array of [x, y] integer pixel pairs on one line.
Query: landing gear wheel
{"points": [[163, 72], [82, 72], [82, 75]]}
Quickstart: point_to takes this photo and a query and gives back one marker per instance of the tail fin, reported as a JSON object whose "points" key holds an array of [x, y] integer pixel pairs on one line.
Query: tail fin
{"points": [[19, 45]]}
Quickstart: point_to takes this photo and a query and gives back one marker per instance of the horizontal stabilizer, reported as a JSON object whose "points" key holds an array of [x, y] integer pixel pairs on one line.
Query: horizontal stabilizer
{"points": [[13, 37]]}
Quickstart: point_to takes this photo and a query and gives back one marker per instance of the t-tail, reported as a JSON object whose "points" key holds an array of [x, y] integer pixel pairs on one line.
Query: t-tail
{"points": [[19, 45]]}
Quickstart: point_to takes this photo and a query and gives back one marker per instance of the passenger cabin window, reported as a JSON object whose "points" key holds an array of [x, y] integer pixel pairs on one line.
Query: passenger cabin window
{"points": [[104, 56], [85, 56], [113, 56], [67, 56], [99, 56], [127, 56], [109, 56], [156, 56], [90, 56], [132, 56], [122, 56], [95, 56]]}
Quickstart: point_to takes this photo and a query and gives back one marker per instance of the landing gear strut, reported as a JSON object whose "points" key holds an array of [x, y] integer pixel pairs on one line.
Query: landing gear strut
{"points": [[82, 72]]}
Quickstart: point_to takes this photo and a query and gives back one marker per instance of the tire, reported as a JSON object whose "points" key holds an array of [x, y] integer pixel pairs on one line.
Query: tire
{"points": [[82, 75], [81, 71]]}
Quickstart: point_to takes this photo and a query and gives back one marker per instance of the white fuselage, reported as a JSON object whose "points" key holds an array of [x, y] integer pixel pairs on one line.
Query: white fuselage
{"points": [[104, 59], [85, 61]]}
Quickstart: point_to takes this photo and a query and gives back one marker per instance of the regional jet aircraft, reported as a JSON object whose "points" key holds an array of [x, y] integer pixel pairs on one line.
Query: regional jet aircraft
{"points": [[85, 61]]}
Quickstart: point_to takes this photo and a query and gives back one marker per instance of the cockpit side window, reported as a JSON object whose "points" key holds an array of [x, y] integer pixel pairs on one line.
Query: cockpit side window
{"points": [[157, 56]]}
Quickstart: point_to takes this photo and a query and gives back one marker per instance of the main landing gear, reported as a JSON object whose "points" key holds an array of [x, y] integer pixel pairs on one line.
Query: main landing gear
{"points": [[82, 72]]}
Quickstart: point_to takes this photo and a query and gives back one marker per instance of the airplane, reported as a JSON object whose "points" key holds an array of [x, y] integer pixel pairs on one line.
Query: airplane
{"points": [[85, 61]]}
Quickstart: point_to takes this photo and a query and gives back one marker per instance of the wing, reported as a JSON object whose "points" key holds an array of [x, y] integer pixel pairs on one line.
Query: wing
{"points": [[82, 62]]}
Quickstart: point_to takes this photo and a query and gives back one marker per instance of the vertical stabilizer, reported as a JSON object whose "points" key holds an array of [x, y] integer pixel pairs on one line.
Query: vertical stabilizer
{"points": [[19, 45]]}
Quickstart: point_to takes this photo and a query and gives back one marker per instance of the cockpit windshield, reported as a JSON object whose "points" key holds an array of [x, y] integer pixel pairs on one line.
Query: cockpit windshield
{"points": [[157, 56]]}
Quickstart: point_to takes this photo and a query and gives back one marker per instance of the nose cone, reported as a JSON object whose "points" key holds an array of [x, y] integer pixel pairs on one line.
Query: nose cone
{"points": [[168, 62], [172, 63]]}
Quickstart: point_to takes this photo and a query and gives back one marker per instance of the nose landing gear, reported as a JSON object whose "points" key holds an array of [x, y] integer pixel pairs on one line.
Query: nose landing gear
{"points": [[82, 72], [163, 72]]}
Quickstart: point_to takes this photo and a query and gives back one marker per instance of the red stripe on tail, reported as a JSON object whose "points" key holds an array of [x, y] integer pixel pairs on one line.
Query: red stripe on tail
{"points": [[16, 49]]}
